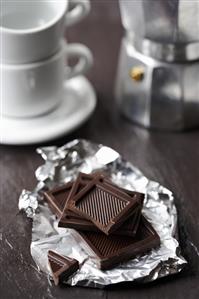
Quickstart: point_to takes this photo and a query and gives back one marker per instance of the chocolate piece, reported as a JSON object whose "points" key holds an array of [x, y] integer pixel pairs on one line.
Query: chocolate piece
{"points": [[128, 228], [112, 250], [82, 180], [61, 267], [56, 198], [103, 204]]}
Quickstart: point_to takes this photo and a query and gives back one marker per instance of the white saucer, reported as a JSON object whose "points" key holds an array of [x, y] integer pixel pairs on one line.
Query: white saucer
{"points": [[78, 102]]}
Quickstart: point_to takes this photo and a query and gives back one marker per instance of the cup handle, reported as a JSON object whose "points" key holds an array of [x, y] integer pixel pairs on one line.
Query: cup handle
{"points": [[78, 12], [85, 59]]}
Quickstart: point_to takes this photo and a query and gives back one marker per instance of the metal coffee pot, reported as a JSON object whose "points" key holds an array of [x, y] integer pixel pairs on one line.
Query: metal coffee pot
{"points": [[158, 73]]}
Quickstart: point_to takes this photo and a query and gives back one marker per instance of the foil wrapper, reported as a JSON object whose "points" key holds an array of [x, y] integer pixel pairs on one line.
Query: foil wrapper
{"points": [[62, 164]]}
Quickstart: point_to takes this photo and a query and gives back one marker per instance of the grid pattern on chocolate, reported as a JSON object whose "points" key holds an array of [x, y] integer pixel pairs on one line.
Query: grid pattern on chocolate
{"points": [[128, 228], [113, 249], [70, 219], [97, 201], [58, 196], [82, 180], [106, 206], [107, 245]]}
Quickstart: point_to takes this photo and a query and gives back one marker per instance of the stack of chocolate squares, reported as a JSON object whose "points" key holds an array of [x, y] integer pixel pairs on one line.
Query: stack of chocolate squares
{"points": [[107, 217]]}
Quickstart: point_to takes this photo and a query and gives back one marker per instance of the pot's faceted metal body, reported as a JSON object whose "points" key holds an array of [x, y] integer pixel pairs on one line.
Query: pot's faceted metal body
{"points": [[158, 74]]}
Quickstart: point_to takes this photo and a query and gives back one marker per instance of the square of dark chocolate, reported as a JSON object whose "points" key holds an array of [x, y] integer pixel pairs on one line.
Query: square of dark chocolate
{"points": [[103, 204], [58, 197], [113, 249]]}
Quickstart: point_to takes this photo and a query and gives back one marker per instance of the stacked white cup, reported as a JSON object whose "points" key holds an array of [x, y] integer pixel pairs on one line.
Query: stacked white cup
{"points": [[34, 54]]}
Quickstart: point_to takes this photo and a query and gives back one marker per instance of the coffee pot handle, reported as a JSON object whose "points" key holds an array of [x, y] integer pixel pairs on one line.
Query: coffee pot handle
{"points": [[85, 59], [80, 9]]}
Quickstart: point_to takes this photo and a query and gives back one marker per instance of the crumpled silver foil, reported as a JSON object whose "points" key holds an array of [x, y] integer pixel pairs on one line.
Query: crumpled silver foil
{"points": [[63, 164]]}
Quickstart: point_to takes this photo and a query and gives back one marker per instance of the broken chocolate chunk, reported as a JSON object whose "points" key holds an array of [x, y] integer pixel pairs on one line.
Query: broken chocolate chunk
{"points": [[62, 267]]}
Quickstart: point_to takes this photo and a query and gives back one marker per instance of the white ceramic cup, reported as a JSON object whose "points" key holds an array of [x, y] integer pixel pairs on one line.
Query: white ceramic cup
{"points": [[29, 90], [31, 30]]}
